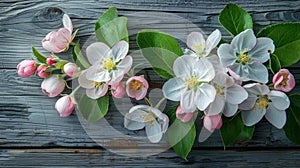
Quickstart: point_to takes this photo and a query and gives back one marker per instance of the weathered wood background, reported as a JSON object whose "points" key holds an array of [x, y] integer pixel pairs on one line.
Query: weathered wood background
{"points": [[31, 132]]}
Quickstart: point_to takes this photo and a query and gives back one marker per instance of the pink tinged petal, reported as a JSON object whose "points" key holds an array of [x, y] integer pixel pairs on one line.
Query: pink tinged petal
{"points": [[290, 83], [183, 116], [84, 82], [67, 22], [183, 66], [275, 116], [227, 55], [187, 101], [119, 50], [212, 41], [204, 70], [70, 69], [245, 39], [48, 42], [96, 73], [262, 49], [258, 72], [216, 107], [139, 95], [117, 90], [62, 40], [251, 117], [230, 109], [212, 122], [236, 94], [277, 82], [98, 92], [96, 51], [53, 86], [26, 68], [204, 96], [196, 42], [41, 71], [154, 132], [279, 100], [173, 89], [64, 106]]}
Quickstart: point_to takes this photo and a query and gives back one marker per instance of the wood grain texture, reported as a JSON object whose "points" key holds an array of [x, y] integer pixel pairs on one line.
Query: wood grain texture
{"points": [[30, 128]]}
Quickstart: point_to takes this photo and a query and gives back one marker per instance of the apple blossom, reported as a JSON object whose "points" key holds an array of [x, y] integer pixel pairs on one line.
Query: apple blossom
{"points": [[70, 69], [284, 80], [64, 106], [51, 60], [212, 122], [53, 86], [41, 71], [117, 90], [183, 116], [136, 87], [26, 68]]}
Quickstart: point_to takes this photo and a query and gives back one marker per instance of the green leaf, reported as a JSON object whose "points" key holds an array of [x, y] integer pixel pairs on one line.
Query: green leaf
{"points": [[61, 64], [274, 63], [235, 19], [160, 49], [93, 110], [286, 38], [233, 130], [292, 125], [181, 136], [113, 31], [109, 15], [78, 57], [39, 56]]}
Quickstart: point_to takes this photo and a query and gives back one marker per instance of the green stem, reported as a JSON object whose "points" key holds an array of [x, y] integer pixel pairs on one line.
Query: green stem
{"points": [[160, 102], [148, 101]]}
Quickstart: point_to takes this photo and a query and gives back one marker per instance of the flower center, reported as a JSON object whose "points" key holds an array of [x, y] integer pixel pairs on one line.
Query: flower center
{"points": [[192, 82], [108, 64], [148, 118], [136, 85], [284, 80], [244, 58], [262, 103], [97, 84], [199, 49], [219, 90]]}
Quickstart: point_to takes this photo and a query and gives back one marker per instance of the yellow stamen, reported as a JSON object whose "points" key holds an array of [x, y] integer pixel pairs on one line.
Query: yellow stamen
{"points": [[148, 118], [97, 84], [219, 90], [198, 47], [108, 64], [192, 82], [136, 85], [284, 80], [244, 58], [262, 103]]}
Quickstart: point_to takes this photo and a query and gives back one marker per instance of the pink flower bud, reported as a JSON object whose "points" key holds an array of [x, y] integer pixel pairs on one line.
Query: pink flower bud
{"points": [[184, 116], [283, 80], [136, 87], [70, 69], [64, 106], [53, 86], [26, 68], [57, 42], [212, 122], [50, 61], [117, 90], [41, 71]]}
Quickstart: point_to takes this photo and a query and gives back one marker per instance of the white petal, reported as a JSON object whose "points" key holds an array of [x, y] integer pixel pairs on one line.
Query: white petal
{"points": [[227, 55], [249, 103], [133, 125], [251, 117], [187, 101], [204, 70], [216, 106], [236, 94], [245, 39], [261, 50], [67, 23], [95, 52], [84, 82], [204, 96], [163, 119], [95, 93], [212, 41], [153, 132], [134, 120], [256, 89], [279, 100], [183, 66], [139, 107], [96, 73], [119, 50], [173, 89], [125, 64], [241, 71], [230, 109], [116, 77], [258, 72], [196, 42], [275, 116]]}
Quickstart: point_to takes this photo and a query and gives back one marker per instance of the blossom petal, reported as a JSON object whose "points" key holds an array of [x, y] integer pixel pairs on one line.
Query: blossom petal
{"points": [[275, 116], [261, 50], [244, 40], [95, 93], [216, 106], [279, 99], [236, 94], [256, 89], [204, 96], [251, 117], [249, 103], [227, 54], [67, 23], [196, 42], [119, 50], [134, 120], [153, 131], [204, 70], [183, 66], [84, 82], [163, 119], [96, 73], [240, 70], [125, 64], [258, 72], [187, 101], [212, 41], [173, 89], [96, 51], [230, 109]]}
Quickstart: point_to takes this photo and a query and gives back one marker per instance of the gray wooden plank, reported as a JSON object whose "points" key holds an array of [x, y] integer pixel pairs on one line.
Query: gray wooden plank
{"points": [[63, 157]]}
